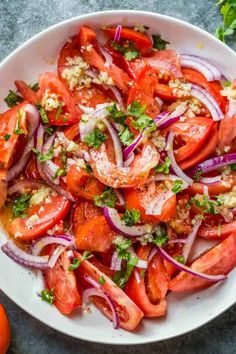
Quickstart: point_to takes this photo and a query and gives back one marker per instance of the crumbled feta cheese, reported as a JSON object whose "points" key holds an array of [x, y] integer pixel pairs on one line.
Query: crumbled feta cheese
{"points": [[226, 148], [229, 199], [159, 140], [50, 101], [229, 92], [75, 72], [39, 196], [103, 79], [179, 88], [72, 147], [80, 163], [194, 108], [87, 47], [32, 220], [119, 240], [140, 28]]}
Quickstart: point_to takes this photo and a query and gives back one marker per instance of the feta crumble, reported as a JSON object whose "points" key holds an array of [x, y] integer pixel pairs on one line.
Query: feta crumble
{"points": [[75, 72], [50, 101], [180, 89]]}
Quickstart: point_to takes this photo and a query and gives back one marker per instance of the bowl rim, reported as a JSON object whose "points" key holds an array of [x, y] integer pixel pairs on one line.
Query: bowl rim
{"points": [[20, 48]]}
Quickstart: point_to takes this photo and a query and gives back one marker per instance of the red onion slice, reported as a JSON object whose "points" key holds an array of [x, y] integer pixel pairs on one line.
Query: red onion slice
{"points": [[39, 245], [120, 197], [214, 163], [137, 276], [208, 101], [210, 71], [56, 254], [210, 180], [213, 278], [177, 240], [156, 205], [165, 119], [26, 184], [107, 56], [21, 257], [174, 165], [205, 191], [115, 262], [95, 292], [117, 225], [190, 240], [117, 33], [152, 254], [127, 152], [116, 143], [118, 97], [141, 263]]}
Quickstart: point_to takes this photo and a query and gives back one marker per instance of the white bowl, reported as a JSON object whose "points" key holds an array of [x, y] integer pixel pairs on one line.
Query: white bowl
{"points": [[185, 313]]}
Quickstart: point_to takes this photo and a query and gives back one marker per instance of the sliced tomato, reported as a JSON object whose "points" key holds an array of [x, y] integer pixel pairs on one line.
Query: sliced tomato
{"points": [[120, 61], [69, 50], [165, 92], [142, 40], [221, 259], [143, 91], [217, 232], [205, 151], [83, 184], [149, 291], [213, 87], [227, 133], [49, 215], [5, 331], [174, 251], [96, 235], [135, 67], [84, 211], [109, 174], [86, 37], [26, 92], [129, 313], [214, 188], [8, 122], [71, 113], [91, 96], [141, 197], [102, 267], [63, 283], [167, 60]]}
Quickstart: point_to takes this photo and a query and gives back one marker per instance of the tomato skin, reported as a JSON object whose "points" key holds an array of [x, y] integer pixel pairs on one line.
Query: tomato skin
{"points": [[31, 169], [165, 92], [129, 313], [221, 259], [71, 50], [214, 232], [167, 60], [5, 331], [95, 235], [85, 210], [66, 294], [83, 184], [213, 188], [18, 227], [142, 41], [27, 93], [156, 288], [227, 133], [140, 198]]}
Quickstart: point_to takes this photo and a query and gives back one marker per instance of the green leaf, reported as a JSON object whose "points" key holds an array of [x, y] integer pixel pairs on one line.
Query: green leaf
{"points": [[12, 99], [34, 86], [180, 259], [131, 217], [48, 296], [76, 261], [95, 139], [197, 175], [177, 187], [7, 137], [160, 238], [88, 168], [132, 55], [101, 280], [136, 109], [60, 172], [116, 115], [233, 166], [49, 130], [129, 49], [107, 198], [42, 113], [164, 167], [143, 122], [43, 157], [126, 137], [228, 12], [158, 42], [59, 111], [20, 205], [18, 130]]}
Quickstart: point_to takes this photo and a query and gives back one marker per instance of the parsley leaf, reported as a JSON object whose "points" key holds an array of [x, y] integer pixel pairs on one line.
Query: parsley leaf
{"points": [[180, 259], [233, 166], [18, 130], [102, 280], [197, 175], [207, 205], [131, 217], [12, 99], [158, 42], [128, 49], [164, 167], [126, 137], [49, 130], [48, 296], [132, 55], [107, 198], [95, 138], [60, 172], [117, 116], [43, 157], [160, 238], [59, 111], [42, 113], [20, 205], [143, 121], [7, 137], [177, 186], [228, 12], [136, 109], [88, 168], [76, 261], [34, 86]]}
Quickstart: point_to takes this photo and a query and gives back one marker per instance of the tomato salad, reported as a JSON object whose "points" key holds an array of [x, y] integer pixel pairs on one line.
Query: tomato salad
{"points": [[113, 167]]}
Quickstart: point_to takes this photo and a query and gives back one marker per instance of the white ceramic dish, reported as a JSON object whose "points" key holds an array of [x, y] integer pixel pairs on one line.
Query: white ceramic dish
{"points": [[185, 313]]}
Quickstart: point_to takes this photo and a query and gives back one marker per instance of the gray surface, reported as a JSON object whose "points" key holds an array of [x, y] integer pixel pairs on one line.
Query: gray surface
{"points": [[19, 20]]}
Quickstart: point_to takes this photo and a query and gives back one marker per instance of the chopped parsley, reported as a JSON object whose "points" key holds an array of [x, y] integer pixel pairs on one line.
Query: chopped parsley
{"points": [[42, 113], [180, 259], [20, 205], [59, 111], [158, 42], [88, 168], [107, 198], [76, 261], [117, 116], [12, 99], [60, 172], [34, 86], [128, 49], [132, 55], [164, 167], [101, 280], [142, 273], [197, 175], [233, 166], [43, 157], [226, 83], [135, 109], [228, 12], [177, 186], [95, 138], [206, 205], [48, 296], [122, 244], [126, 137], [131, 217], [18, 130], [7, 137], [160, 238]]}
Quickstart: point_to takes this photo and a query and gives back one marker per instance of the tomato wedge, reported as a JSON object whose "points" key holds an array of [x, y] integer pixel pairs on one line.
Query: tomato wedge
{"points": [[167, 60], [227, 133], [143, 91], [129, 313], [141, 197], [214, 188], [5, 331], [49, 214], [217, 232], [142, 40], [84, 211], [69, 50], [71, 113], [63, 283], [221, 259], [83, 184], [96, 235], [150, 290], [26, 92]]}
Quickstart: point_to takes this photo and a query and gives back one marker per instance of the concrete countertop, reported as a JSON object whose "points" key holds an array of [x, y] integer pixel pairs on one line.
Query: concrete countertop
{"points": [[20, 20]]}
